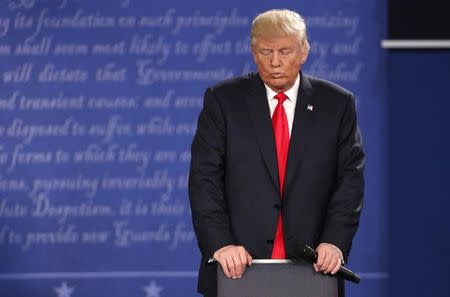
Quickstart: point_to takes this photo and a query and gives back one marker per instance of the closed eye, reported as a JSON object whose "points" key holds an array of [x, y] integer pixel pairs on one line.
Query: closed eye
{"points": [[286, 51]]}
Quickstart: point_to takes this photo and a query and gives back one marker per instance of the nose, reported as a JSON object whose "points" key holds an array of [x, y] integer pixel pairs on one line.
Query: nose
{"points": [[275, 61]]}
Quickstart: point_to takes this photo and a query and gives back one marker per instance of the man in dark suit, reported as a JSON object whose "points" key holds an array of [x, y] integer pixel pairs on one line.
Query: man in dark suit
{"points": [[277, 160]]}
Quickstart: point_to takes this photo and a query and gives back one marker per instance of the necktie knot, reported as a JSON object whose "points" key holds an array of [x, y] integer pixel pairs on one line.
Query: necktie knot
{"points": [[281, 97]]}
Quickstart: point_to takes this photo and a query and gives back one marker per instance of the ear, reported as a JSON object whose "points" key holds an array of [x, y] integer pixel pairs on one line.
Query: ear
{"points": [[254, 54], [304, 57]]}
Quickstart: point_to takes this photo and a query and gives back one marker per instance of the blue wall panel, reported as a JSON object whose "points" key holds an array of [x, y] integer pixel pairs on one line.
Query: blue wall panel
{"points": [[419, 190], [98, 106]]}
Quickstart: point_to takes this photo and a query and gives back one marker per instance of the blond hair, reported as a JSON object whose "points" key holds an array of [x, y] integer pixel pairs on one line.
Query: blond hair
{"points": [[280, 22]]}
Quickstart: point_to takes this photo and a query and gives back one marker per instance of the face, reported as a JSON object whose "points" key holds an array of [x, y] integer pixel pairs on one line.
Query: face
{"points": [[279, 61]]}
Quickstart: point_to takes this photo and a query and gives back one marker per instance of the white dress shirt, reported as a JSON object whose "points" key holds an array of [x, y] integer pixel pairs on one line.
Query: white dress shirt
{"points": [[289, 108], [288, 104]]}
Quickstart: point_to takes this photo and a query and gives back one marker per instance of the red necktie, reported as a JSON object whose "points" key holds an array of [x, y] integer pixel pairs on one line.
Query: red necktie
{"points": [[281, 133]]}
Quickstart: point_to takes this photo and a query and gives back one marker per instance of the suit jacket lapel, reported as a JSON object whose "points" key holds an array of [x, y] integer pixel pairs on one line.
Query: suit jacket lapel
{"points": [[301, 129], [260, 116]]}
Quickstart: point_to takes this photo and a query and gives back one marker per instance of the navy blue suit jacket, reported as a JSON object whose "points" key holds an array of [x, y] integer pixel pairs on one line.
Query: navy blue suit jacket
{"points": [[233, 181]]}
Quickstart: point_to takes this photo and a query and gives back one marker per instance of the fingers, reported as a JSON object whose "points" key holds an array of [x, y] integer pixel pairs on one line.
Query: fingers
{"points": [[328, 259], [230, 263], [224, 264], [242, 261], [327, 262], [320, 259], [333, 266], [249, 259], [233, 260], [337, 266]]}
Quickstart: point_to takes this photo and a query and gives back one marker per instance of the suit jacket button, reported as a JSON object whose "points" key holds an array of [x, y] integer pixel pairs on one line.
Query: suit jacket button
{"points": [[270, 241]]}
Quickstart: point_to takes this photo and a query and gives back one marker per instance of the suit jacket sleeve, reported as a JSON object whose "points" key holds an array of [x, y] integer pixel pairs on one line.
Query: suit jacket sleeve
{"points": [[345, 204], [206, 179]]}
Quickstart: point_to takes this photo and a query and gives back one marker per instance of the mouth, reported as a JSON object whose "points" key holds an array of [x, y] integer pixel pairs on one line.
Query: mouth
{"points": [[276, 75]]}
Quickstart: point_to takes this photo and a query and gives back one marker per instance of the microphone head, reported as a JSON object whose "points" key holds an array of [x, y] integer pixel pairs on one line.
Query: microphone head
{"points": [[309, 254]]}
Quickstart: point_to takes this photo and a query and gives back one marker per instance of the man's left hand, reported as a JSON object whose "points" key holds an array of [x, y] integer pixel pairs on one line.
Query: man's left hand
{"points": [[329, 258]]}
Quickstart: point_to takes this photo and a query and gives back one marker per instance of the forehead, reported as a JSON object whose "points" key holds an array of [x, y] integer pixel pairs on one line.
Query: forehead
{"points": [[277, 42]]}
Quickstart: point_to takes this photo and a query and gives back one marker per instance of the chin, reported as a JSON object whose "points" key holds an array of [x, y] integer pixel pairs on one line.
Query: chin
{"points": [[278, 85]]}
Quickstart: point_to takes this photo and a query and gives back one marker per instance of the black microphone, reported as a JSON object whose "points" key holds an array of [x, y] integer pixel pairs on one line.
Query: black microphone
{"points": [[310, 255]]}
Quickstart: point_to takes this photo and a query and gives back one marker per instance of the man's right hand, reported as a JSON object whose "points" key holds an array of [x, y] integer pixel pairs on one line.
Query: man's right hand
{"points": [[233, 260]]}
